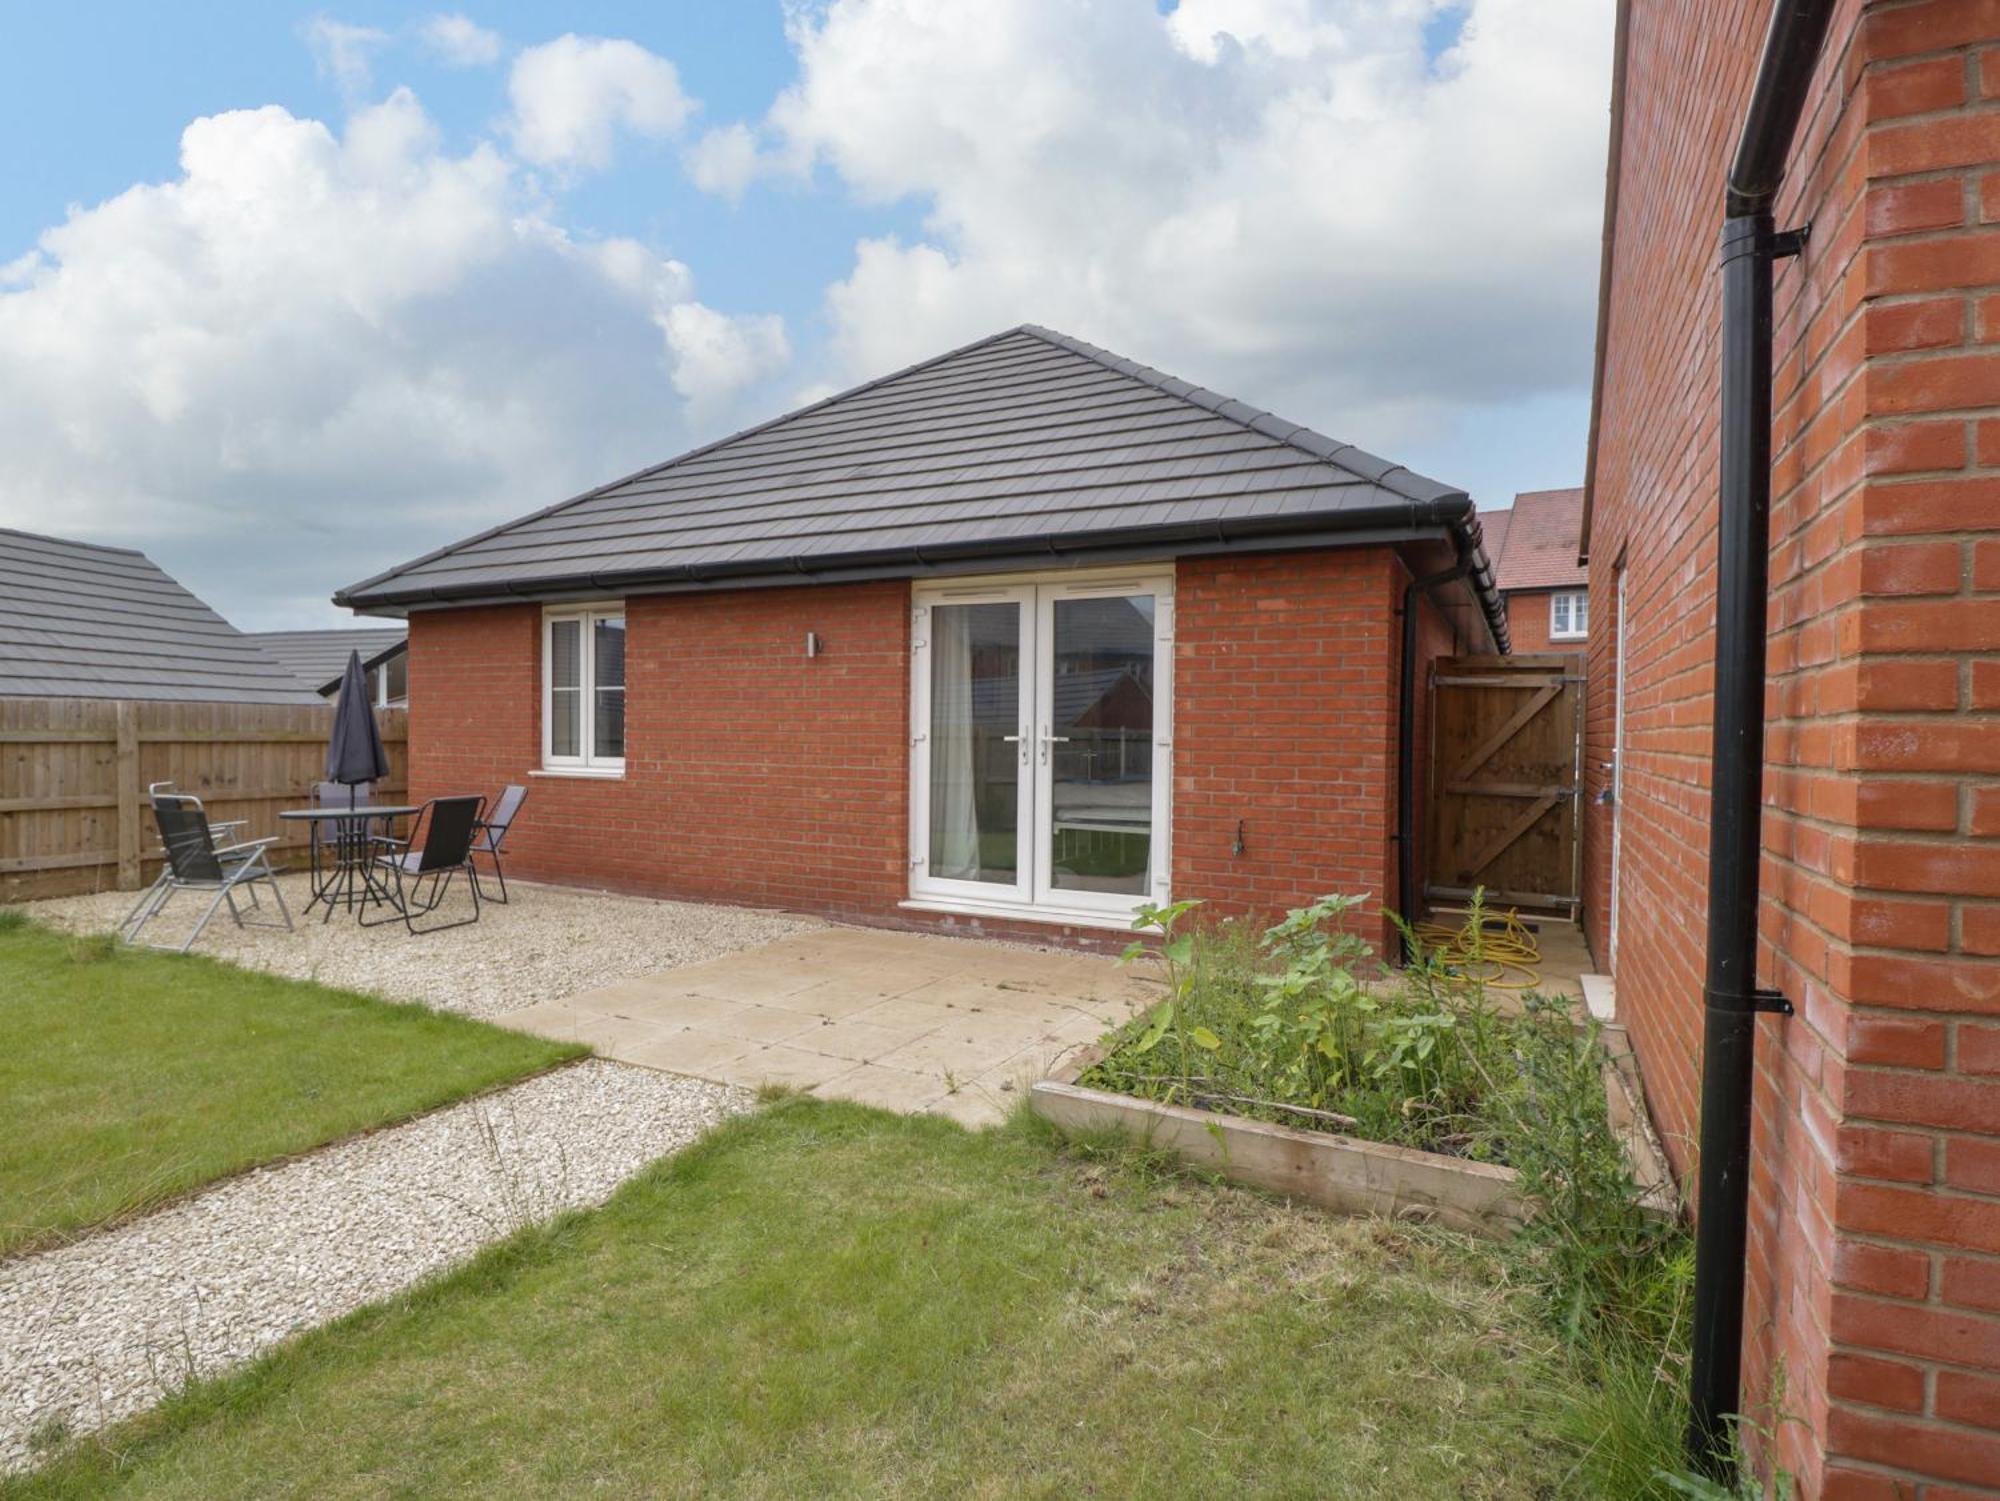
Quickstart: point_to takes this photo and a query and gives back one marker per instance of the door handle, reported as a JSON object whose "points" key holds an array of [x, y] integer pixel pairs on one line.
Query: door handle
{"points": [[1049, 740], [1020, 740]]}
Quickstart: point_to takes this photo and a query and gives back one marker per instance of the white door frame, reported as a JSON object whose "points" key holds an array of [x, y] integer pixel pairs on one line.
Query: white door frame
{"points": [[1033, 896], [924, 885], [1617, 757]]}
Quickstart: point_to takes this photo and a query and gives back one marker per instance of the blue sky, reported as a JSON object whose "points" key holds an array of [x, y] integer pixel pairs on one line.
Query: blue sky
{"points": [[117, 96], [389, 312]]}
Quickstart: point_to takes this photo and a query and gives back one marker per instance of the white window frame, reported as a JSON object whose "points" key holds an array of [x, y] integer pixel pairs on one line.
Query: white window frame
{"points": [[587, 763], [1579, 610]]}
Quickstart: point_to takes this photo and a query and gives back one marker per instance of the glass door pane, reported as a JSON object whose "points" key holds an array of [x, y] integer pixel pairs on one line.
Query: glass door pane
{"points": [[1097, 758], [976, 739]]}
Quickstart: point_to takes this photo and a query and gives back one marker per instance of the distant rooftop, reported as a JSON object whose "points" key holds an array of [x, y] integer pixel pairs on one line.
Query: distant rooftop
{"points": [[1534, 546], [318, 658], [79, 620]]}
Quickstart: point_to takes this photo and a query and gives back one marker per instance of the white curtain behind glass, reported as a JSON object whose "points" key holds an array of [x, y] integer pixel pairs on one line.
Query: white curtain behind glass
{"points": [[954, 815]]}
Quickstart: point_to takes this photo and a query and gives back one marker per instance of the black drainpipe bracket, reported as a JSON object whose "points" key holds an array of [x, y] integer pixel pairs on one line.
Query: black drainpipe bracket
{"points": [[1761, 1000], [1787, 243]]}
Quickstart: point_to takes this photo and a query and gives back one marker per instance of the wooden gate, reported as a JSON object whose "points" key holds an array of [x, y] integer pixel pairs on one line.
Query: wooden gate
{"points": [[1505, 780]]}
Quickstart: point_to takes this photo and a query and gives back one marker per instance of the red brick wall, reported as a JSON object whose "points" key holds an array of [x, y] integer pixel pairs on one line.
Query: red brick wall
{"points": [[1875, 1273], [756, 775], [1528, 624], [1285, 723]]}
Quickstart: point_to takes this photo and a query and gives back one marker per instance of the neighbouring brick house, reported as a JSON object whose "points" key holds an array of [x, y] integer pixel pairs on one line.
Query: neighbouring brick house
{"points": [[1533, 547], [1024, 635], [1875, 1250]]}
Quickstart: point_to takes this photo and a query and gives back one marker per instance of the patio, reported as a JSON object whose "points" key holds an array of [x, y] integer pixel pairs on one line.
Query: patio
{"points": [[904, 1021], [547, 943], [909, 1022]]}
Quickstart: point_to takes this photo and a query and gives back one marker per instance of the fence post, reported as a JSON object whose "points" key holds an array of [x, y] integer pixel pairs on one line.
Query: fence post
{"points": [[126, 781]]}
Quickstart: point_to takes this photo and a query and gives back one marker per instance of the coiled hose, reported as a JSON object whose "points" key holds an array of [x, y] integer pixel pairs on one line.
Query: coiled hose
{"points": [[1500, 952]]}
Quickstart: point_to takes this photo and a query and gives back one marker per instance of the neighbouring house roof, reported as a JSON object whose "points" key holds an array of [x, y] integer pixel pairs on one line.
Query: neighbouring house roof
{"points": [[1027, 447], [78, 620], [318, 658], [1540, 542], [1493, 525]]}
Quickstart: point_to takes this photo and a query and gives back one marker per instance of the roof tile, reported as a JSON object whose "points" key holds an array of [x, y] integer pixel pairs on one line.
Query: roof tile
{"points": [[78, 620], [1026, 435]]}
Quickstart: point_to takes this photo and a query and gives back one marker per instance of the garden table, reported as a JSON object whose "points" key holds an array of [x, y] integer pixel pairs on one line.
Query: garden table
{"points": [[351, 883]]}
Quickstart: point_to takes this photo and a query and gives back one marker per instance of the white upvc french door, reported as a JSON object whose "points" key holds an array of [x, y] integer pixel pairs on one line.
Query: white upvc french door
{"points": [[1041, 745]]}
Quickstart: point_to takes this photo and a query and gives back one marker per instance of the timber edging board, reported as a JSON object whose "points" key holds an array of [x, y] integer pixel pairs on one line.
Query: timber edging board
{"points": [[1341, 1173], [1346, 1174]]}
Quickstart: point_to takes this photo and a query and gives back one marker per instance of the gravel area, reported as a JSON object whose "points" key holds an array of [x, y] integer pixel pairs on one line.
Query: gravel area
{"points": [[99, 1330], [548, 942]]}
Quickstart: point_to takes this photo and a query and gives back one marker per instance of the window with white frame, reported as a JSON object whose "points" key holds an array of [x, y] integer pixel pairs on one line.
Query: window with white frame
{"points": [[583, 689], [1569, 616]]}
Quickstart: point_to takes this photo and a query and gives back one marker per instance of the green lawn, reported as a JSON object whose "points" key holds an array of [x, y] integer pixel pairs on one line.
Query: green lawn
{"points": [[128, 1077], [821, 1300]]}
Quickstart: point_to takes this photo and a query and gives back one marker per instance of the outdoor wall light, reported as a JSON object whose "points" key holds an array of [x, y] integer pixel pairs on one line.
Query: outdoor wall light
{"points": [[814, 646]]}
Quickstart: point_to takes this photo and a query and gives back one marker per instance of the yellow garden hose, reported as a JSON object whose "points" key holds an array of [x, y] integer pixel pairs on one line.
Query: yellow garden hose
{"points": [[1501, 953]]}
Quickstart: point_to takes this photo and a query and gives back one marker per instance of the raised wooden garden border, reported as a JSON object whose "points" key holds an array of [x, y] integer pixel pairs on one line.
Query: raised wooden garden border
{"points": [[1344, 1173]]}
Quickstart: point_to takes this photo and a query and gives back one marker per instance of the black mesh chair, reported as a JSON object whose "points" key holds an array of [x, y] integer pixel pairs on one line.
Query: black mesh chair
{"points": [[439, 847], [194, 863]]}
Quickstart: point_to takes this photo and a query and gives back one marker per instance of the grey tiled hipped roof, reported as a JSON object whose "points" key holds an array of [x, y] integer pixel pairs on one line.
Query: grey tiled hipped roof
{"points": [[1025, 447], [82, 621], [318, 658]]}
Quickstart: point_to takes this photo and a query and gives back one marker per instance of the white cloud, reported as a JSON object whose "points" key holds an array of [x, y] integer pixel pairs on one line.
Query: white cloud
{"points": [[314, 354], [344, 53], [459, 41], [716, 356], [724, 161], [1287, 199], [571, 97]]}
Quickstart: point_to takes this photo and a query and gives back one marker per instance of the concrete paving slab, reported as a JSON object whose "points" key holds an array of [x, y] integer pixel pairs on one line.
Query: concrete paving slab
{"points": [[904, 1021], [781, 1064], [884, 1088]]}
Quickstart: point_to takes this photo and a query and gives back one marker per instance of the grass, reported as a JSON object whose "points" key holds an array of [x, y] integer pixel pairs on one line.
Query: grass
{"points": [[822, 1300], [1298, 1024], [131, 1077]]}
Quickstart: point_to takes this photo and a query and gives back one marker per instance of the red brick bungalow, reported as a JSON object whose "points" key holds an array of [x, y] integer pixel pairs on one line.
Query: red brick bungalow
{"points": [[1023, 635], [1874, 1234]]}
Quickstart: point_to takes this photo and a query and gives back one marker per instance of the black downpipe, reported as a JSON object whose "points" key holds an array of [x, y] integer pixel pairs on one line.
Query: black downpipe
{"points": [[1731, 997], [1407, 896]]}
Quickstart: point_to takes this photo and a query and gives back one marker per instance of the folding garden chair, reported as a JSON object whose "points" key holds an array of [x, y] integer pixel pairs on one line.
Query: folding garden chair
{"points": [[194, 863], [439, 846], [217, 831], [493, 829]]}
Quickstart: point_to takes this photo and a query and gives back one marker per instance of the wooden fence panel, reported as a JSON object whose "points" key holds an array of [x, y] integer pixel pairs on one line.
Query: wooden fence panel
{"points": [[74, 773]]}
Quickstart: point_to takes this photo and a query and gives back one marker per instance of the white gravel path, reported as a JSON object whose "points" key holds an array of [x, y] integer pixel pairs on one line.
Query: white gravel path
{"points": [[548, 942], [99, 1330]]}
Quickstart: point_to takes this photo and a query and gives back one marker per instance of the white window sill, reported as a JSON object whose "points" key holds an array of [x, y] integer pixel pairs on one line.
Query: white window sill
{"points": [[1072, 917], [581, 773], [1569, 636]]}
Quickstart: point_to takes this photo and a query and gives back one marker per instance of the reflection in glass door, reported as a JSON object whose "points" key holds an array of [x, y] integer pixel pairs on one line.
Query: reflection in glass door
{"points": [[977, 743], [1039, 719], [1098, 751]]}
